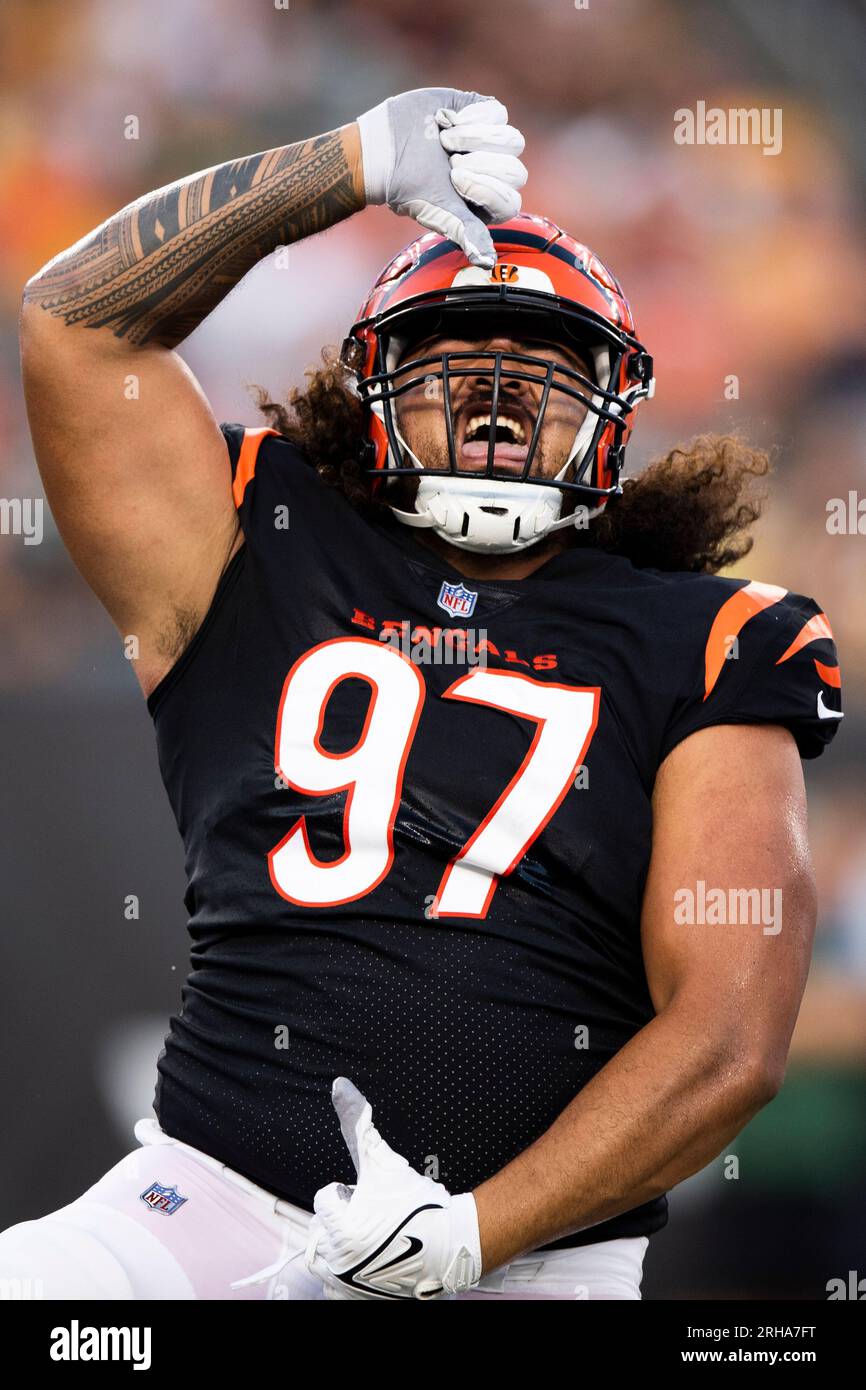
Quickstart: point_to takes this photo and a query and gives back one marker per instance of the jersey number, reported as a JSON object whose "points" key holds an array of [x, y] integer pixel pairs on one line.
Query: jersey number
{"points": [[371, 773]]}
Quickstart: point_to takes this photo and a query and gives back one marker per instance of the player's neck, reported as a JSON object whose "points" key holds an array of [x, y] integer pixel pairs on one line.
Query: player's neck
{"points": [[478, 566]]}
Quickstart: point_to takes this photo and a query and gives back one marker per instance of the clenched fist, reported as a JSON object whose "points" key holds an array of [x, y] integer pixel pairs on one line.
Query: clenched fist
{"points": [[447, 158]]}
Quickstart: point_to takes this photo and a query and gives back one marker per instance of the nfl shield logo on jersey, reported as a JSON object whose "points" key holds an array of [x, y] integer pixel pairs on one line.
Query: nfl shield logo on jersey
{"points": [[457, 599], [164, 1199]]}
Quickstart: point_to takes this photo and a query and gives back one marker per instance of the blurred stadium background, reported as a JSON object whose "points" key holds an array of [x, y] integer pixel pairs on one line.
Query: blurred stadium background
{"points": [[739, 265]]}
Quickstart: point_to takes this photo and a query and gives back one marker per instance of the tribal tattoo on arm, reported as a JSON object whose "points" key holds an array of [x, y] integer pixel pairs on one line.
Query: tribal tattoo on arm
{"points": [[155, 270]]}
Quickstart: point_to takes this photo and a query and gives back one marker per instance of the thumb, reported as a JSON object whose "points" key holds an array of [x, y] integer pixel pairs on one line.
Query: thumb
{"points": [[474, 238], [451, 218], [355, 1115], [370, 1153]]}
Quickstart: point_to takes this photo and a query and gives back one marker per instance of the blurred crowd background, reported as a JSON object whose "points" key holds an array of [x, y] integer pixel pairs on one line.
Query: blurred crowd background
{"points": [[746, 272]]}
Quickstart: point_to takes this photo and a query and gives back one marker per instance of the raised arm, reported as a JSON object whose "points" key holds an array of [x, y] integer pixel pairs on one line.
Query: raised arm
{"points": [[135, 469], [134, 466], [729, 810]]}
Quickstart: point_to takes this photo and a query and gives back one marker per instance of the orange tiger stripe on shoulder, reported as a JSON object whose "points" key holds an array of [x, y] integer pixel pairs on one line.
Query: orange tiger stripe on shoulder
{"points": [[811, 631], [830, 675], [246, 468], [731, 618]]}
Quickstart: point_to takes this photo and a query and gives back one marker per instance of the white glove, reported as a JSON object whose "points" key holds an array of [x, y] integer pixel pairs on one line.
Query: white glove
{"points": [[396, 1234], [447, 158]]}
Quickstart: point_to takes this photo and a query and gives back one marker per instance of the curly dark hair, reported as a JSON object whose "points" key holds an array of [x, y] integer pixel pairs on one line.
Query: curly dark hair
{"points": [[690, 510]]}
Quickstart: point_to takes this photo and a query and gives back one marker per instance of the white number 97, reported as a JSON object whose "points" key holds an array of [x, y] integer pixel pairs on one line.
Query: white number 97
{"points": [[371, 773]]}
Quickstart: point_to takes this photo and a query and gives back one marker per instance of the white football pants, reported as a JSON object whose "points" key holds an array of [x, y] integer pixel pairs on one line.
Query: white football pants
{"points": [[229, 1239]]}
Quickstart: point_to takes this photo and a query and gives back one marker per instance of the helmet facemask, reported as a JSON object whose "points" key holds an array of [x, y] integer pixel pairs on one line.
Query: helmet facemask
{"points": [[483, 505]]}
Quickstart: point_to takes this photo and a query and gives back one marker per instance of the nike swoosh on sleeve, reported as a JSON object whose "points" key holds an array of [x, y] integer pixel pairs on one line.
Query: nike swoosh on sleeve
{"points": [[824, 712]]}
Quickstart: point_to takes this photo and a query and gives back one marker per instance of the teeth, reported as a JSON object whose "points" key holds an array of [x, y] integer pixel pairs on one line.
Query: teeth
{"points": [[478, 422]]}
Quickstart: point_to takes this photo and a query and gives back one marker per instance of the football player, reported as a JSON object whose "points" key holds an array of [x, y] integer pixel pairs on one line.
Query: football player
{"points": [[489, 786]]}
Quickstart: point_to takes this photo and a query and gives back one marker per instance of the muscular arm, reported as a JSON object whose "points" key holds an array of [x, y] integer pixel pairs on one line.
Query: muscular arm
{"points": [[729, 808], [151, 273], [134, 466]]}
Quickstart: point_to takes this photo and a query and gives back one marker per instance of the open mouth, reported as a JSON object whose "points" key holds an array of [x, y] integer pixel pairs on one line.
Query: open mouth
{"points": [[510, 429]]}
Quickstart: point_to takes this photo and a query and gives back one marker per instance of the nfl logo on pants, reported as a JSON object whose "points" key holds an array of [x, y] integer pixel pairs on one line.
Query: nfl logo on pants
{"points": [[164, 1199], [457, 599]]}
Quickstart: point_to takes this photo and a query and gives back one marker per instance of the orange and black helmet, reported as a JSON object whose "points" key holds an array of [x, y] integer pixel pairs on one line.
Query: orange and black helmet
{"points": [[544, 285]]}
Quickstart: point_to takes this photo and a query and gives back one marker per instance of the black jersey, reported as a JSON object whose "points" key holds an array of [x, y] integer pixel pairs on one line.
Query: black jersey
{"points": [[417, 821]]}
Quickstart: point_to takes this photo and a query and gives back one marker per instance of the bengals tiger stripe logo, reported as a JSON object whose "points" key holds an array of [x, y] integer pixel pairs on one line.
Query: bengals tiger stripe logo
{"points": [[503, 273]]}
